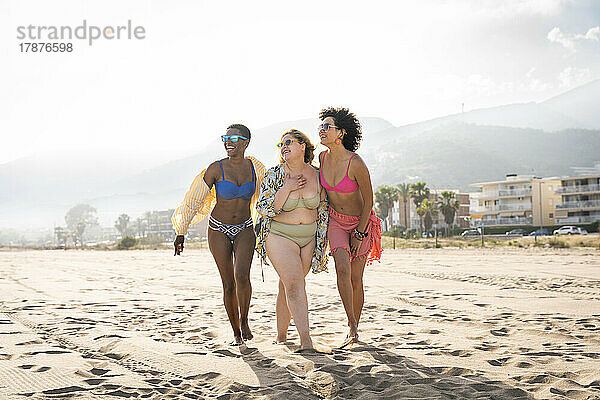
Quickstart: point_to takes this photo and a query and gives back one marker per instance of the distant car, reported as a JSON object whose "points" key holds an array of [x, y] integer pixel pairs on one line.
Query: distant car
{"points": [[471, 232], [540, 232], [582, 231], [517, 232], [567, 230]]}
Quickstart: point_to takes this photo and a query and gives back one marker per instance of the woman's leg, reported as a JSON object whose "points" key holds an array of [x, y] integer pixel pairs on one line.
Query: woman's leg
{"points": [[358, 292], [243, 251], [220, 247], [344, 284], [281, 309], [283, 314], [285, 256]]}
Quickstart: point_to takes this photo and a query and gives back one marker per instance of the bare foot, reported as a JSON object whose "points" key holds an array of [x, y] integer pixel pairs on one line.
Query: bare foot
{"points": [[237, 341], [351, 338], [281, 338], [313, 350], [246, 333], [305, 350]]}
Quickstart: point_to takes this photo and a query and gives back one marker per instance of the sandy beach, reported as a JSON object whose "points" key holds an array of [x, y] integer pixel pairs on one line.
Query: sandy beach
{"points": [[500, 323]]}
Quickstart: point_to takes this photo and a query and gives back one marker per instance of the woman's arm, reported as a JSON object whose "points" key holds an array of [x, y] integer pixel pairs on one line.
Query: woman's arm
{"points": [[363, 178], [319, 259], [192, 202]]}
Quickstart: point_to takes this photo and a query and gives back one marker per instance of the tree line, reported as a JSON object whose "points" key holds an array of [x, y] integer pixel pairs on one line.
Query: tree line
{"points": [[427, 208], [81, 222]]}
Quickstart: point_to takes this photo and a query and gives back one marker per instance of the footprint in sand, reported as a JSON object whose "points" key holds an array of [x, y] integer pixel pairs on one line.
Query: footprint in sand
{"points": [[499, 332], [499, 361], [460, 353], [36, 341]]}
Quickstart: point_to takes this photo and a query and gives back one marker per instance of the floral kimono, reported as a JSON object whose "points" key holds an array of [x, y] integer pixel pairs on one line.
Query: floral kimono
{"points": [[265, 207]]}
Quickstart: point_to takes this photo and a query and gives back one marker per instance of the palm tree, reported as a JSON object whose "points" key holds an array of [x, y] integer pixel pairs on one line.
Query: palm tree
{"points": [[419, 192], [122, 223], [427, 210], [449, 206], [385, 197], [140, 226], [404, 194]]}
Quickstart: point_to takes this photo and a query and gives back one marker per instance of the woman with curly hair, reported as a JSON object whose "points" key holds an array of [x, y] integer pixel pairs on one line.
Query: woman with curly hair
{"points": [[354, 231], [293, 206], [226, 192]]}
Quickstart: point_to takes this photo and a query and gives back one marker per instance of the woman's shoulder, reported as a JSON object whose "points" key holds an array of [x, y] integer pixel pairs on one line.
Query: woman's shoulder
{"points": [[215, 165], [357, 165], [314, 169], [357, 159]]}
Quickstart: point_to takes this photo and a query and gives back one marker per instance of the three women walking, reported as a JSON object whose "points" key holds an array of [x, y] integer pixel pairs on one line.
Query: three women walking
{"points": [[303, 211]]}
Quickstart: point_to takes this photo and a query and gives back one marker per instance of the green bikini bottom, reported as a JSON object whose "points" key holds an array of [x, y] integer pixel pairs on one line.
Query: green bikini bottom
{"points": [[299, 234]]}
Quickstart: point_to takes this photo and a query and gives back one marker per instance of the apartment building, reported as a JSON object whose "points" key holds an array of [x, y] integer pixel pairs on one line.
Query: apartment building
{"points": [[516, 200], [579, 198], [160, 225]]}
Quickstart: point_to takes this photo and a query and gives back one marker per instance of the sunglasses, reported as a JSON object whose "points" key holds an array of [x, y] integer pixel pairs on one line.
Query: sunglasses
{"points": [[232, 138], [325, 127], [286, 142]]}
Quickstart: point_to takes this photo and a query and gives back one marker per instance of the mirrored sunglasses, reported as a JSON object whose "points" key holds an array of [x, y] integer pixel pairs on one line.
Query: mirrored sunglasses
{"points": [[232, 138]]}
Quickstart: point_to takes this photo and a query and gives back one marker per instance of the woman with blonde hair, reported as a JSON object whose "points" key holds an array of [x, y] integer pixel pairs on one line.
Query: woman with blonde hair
{"points": [[293, 228]]}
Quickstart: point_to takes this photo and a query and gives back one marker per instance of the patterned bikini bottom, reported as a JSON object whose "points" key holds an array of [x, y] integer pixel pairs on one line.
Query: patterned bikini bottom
{"points": [[230, 230]]}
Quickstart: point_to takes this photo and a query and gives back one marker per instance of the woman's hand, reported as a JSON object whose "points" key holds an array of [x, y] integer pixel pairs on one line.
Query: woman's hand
{"points": [[178, 243], [354, 245], [293, 183]]}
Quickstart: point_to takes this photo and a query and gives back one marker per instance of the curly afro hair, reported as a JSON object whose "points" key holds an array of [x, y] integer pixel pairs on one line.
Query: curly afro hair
{"points": [[347, 121]]}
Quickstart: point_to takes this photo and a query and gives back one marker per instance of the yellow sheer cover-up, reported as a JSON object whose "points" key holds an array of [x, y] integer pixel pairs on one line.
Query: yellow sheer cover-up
{"points": [[199, 200]]}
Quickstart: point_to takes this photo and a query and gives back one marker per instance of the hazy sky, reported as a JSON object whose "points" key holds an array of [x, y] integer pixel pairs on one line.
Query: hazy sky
{"points": [[205, 64]]}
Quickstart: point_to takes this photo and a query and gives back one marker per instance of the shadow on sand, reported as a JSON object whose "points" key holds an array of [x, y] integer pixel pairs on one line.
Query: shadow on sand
{"points": [[368, 372]]}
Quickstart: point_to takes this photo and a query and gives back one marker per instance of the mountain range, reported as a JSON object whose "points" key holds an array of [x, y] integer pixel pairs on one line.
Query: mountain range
{"points": [[545, 139]]}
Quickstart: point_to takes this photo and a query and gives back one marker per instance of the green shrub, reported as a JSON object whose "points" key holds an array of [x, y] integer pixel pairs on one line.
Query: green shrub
{"points": [[557, 243], [126, 243]]}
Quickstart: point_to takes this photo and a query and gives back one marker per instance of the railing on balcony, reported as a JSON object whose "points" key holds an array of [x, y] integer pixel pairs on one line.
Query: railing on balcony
{"points": [[501, 207], [490, 194], [578, 189], [584, 219], [503, 221], [579, 204], [518, 192], [515, 207]]}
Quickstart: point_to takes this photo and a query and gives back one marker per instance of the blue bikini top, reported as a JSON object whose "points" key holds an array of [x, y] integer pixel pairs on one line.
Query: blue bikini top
{"points": [[229, 190]]}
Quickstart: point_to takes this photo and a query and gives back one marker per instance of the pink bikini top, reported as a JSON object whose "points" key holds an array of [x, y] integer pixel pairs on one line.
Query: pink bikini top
{"points": [[346, 185]]}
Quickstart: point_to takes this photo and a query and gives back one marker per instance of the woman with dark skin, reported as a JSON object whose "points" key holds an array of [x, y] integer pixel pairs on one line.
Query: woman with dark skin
{"points": [[232, 186], [354, 232]]}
